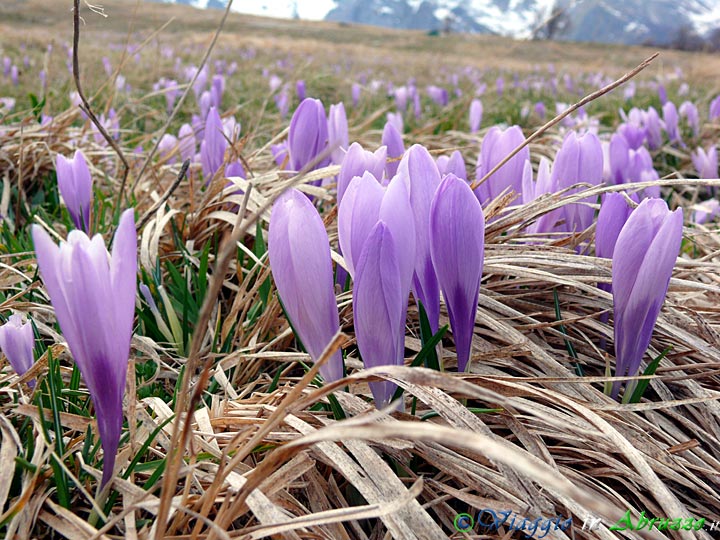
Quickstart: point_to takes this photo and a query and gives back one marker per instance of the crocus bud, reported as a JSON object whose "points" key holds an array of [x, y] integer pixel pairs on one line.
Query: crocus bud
{"points": [[633, 134], [706, 211], [580, 159], [379, 307], [355, 94], [308, 136], [212, 149], [338, 132], [93, 294], [457, 246], [396, 119], [393, 141], [476, 114], [186, 142], [653, 129], [357, 214], [497, 145], [643, 260], [17, 341], [356, 162], [543, 185], [706, 162], [714, 112], [454, 164], [618, 153], [422, 178], [75, 184], [689, 111], [300, 261], [300, 89], [670, 120], [614, 212], [167, 146], [216, 90]]}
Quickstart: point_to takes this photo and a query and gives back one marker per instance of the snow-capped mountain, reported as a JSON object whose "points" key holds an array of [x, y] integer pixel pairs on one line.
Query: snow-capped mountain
{"points": [[610, 21]]}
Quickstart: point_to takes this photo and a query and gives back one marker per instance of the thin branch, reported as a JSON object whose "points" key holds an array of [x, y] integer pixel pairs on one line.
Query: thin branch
{"points": [[85, 106], [584, 101], [168, 193], [180, 102]]}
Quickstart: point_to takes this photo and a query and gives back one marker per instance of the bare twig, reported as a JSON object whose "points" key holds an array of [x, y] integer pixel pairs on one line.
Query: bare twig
{"points": [[584, 101], [85, 106], [164, 198]]}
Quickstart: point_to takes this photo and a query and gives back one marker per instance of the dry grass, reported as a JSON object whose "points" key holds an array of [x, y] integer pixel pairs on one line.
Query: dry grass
{"points": [[262, 459]]}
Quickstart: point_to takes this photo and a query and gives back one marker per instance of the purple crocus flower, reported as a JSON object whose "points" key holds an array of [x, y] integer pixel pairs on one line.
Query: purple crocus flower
{"points": [[212, 149], [308, 136], [457, 246], [300, 261], [714, 112], [217, 89], [476, 114], [706, 162], [7, 64], [393, 141], [662, 94], [689, 111], [614, 212], [401, 97], [166, 147], [17, 341], [706, 211], [364, 203], [670, 120], [653, 130], [496, 145], [633, 134], [543, 185], [75, 184], [396, 119], [300, 89], [355, 94], [357, 214], [282, 102], [186, 142], [171, 94], [618, 156], [540, 110], [422, 178], [643, 261], [437, 94], [280, 153], [454, 164], [205, 104], [379, 307], [500, 86], [93, 294], [338, 132], [14, 75], [579, 160], [356, 161]]}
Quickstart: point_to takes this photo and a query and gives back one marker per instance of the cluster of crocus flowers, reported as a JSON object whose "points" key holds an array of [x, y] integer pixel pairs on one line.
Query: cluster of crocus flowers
{"points": [[93, 293], [643, 259]]}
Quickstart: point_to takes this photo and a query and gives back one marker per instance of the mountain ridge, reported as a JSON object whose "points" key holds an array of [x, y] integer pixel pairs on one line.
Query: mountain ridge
{"points": [[627, 22]]}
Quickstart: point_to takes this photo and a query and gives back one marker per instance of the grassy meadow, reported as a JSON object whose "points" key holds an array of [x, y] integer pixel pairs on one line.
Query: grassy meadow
{"points": [[228, 430]]}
